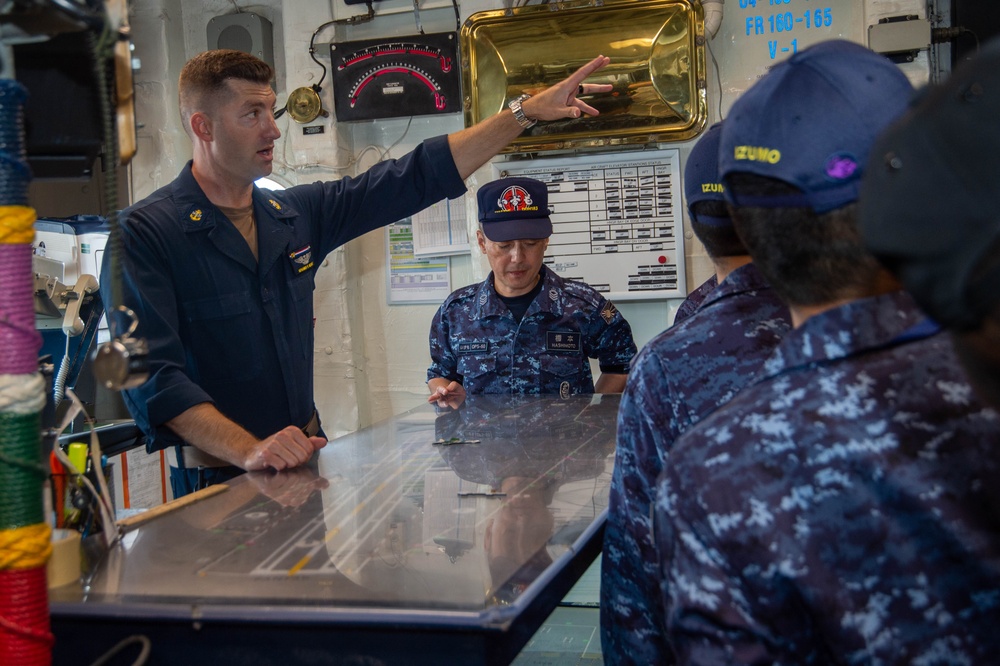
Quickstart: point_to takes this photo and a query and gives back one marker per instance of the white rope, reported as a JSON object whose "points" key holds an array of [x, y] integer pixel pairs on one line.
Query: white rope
{"points": [[22, 394]]}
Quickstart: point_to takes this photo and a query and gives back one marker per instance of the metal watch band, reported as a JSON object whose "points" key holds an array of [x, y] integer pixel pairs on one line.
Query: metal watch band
{"points": [[515, 107]]}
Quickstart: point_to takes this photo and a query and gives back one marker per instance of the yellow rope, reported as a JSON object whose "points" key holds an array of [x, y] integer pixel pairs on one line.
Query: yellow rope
{"points": [[17, 225], [25, 547]]}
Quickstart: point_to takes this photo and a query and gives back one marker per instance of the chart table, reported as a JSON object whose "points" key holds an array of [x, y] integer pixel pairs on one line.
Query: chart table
{"points": [[433, 537]]}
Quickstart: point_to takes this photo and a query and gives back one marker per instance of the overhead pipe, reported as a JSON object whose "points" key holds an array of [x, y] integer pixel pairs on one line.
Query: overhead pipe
{"points": [[713, 16]]}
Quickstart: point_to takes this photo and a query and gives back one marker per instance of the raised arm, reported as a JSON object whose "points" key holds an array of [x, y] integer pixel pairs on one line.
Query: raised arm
{"points": [[474, 146]]}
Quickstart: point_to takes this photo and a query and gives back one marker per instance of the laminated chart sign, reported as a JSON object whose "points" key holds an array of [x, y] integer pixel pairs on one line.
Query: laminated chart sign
{"points": [[616, 221], [413, 279]]}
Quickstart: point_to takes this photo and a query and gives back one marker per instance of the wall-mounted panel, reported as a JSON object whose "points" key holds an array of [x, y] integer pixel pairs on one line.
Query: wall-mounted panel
{"points": [[657, 69]]}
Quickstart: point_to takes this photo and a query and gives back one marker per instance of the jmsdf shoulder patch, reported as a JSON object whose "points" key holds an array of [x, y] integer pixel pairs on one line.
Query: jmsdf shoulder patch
{"points": [[301, 259], [609, 312]]}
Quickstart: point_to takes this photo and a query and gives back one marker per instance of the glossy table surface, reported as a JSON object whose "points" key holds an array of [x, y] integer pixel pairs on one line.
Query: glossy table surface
{"points": [[470, 522]]}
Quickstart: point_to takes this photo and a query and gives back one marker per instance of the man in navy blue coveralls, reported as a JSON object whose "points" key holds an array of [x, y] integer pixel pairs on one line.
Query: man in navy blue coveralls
{"points": [[220, 273], [841, 509], [680, 376], [524, 329]]}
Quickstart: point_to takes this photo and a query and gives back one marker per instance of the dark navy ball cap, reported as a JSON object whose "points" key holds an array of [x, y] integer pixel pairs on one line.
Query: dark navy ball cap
{"points": [[930, 195], [811, 122], [701, 176], [514, 209]]}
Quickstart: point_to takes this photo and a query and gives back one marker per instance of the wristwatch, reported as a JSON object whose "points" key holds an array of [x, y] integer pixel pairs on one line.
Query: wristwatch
{"points": [[522, 120]]}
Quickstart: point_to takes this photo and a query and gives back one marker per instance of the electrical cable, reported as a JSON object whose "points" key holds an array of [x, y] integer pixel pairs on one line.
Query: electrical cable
{"points": [[940, 35], [351, 20], [59, 383], [124, 643], [102, 49], [718, 75]]}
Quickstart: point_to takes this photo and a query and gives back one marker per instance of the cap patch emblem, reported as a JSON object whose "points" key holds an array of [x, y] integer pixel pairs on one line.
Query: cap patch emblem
{"points": [[514, 198], [841, 166]]}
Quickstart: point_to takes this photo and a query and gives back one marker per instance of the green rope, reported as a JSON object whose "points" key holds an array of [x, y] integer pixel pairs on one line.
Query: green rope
{"points": [[22, 473]]}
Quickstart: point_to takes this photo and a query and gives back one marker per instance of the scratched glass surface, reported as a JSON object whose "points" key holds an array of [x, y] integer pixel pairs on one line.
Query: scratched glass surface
{"points": [[460, 510]]}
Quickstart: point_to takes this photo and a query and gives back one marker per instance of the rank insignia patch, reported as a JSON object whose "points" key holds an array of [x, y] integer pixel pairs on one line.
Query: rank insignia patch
{"points": [[195, 215]]}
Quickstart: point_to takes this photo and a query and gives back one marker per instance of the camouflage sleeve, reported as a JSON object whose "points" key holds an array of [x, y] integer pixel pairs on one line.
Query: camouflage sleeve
{"points": [[610, 339], [443, 361], [632, 619], [710, 619]]}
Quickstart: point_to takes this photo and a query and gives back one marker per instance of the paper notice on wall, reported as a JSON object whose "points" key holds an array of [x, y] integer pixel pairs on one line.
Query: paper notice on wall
{"points": [[440, 230], [616, 220], [413, 279]]}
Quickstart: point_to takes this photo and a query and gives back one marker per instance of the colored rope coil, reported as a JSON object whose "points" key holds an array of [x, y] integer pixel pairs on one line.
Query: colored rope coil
{"points": [[14, 172], [25, 635], [14, 179], [19, 341], [22, 394], [17, 223], [22, 473], [26, 547], [12, 98]]}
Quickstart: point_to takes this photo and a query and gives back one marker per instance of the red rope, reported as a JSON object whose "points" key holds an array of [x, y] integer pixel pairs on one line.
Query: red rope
{"points": [[25, 637]]}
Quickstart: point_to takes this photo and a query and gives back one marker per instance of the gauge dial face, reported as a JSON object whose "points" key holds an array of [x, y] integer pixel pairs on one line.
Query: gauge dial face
{"points": [[416, 75]]}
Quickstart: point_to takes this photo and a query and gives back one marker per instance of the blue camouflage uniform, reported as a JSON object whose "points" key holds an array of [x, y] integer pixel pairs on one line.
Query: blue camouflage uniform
{"points": [[678, 378], [227, 329], [841, 510], [694, 300], [475, 340]]}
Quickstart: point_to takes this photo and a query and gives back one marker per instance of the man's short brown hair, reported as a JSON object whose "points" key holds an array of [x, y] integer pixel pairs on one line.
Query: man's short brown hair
{"points": [[204, 77]]}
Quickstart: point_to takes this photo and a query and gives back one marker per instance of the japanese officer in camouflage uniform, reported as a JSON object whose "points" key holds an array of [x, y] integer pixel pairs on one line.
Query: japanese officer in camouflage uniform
{"points": [[842, 509], [524, 330]]}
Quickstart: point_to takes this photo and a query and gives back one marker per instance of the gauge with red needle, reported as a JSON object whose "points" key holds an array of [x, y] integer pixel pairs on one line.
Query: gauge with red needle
{"points": [[412, 76]]}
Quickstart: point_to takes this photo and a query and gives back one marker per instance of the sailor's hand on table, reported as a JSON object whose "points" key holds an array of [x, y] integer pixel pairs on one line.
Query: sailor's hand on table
{"points": [[452, 395], [284, 449]]}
